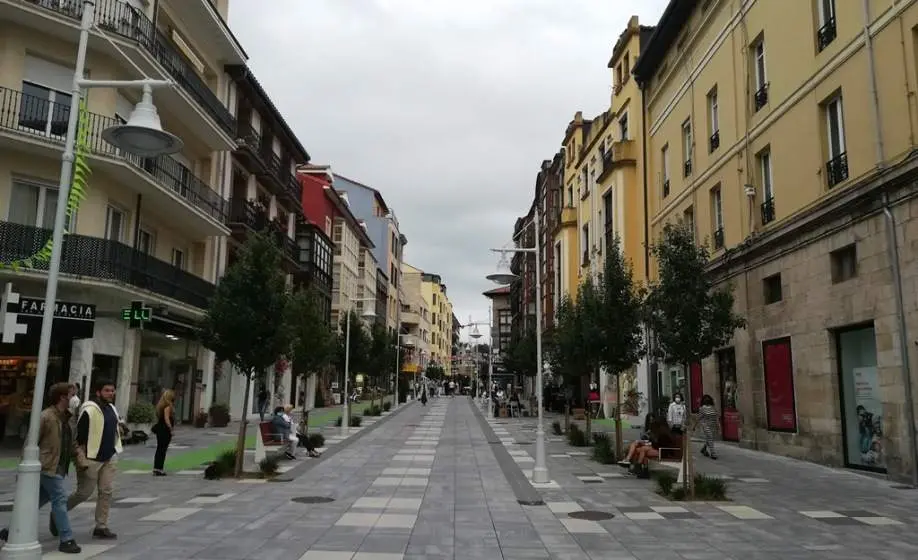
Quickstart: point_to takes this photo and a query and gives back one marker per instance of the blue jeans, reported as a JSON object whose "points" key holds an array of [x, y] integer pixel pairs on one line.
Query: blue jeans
{"points": [[52, 490]]}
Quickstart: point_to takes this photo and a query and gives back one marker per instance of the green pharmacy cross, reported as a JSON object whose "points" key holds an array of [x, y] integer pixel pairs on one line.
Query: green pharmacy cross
{"points": [[137, 314]]}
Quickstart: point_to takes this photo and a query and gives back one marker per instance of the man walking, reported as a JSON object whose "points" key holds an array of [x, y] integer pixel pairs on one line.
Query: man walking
{"points": [[55, 442], [98, 441]]}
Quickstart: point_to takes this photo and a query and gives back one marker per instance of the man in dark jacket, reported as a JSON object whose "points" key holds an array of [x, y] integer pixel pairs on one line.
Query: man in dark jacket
{"points": [[55, 443]]}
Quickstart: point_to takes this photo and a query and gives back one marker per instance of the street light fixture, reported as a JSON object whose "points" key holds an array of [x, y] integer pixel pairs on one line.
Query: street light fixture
{"points": [[540, 470], [345, 405], [142, 135]]}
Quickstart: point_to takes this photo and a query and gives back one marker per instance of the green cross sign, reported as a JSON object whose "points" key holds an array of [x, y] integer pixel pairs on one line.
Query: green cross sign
{"points": [[137, 314]]}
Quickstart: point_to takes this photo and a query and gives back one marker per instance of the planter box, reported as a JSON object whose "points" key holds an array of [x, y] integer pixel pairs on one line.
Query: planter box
{"points": [[138, 427]]}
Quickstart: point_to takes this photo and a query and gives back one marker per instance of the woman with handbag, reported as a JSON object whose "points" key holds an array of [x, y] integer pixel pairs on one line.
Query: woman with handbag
{"points": [[165, 421]]}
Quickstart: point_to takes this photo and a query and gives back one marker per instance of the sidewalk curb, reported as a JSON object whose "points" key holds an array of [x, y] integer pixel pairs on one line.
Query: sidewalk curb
{"points": [[306, 466], [523, 490]]}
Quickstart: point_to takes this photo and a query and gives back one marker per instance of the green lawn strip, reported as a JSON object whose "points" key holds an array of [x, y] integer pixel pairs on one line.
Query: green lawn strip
{"points": [[8, 464]]}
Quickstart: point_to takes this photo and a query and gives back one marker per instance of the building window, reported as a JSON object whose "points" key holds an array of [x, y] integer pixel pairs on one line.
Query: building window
{"points": [[713, 120], [586, 244], [780, 402], [771, 289], [837, 166], [826, 33], [760, 97], [44, 110], [609, 229], [717, 212], [114, 224], [33, 204], [664, 159], [178, 259], [623, 127], [146, 242], [688, 218], [768, 194], [844, 263], [687, 147]]}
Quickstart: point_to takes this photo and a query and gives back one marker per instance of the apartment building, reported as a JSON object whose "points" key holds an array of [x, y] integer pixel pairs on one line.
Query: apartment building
{"points": [[782, 133], [501, 318], [367, 281], [148, 230], [349, 236], [433, 291], [382, 227], [416, 321]]}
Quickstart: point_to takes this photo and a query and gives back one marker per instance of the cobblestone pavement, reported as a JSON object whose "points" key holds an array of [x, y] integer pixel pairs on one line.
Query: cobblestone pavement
{"points": [[778, 508], [428, 483]]}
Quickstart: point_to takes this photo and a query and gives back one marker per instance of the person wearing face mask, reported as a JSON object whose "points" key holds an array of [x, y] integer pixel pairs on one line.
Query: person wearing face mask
{"points": [[675, 416]]}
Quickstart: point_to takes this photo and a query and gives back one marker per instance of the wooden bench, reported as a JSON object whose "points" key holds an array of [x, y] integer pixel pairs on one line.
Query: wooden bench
{"points": [[266, 438]]}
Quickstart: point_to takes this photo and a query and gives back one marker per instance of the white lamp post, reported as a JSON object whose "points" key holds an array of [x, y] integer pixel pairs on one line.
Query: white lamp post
{"points": [[345, 405], [142, 135], [490, 363], [540, 470]]}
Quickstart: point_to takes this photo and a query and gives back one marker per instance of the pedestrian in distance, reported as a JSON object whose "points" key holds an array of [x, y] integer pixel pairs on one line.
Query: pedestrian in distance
{"points": [[163, 429], [55, 447], [262, 402], [675, 415], [98, 441], [708, 420]]}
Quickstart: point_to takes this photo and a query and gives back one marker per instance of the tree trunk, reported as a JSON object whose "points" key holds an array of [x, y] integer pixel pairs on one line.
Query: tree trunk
{"points": [[243, 424], [618, 417]]}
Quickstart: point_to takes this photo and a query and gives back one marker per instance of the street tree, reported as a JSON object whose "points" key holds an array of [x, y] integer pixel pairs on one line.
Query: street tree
{"points": [[590, 313], [621, 324], [434, 371], [520, 357], [245, 322], [381, 358], [689, 316], [564, 349], [312, 340], [360, 343]]}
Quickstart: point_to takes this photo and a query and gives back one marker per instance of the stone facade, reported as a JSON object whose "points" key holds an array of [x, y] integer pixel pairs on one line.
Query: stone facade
{"points": [[813, 309]]}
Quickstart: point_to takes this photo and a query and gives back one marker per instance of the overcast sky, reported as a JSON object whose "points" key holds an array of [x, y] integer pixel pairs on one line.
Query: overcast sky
{"points": [[447, 107]]}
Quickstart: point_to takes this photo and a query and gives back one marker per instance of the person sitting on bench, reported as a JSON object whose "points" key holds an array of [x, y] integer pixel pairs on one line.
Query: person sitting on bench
{"points": [[661, 437], [282, 426], [643, 439]]}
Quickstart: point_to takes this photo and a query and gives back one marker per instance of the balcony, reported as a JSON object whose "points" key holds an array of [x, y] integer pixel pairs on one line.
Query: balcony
{"points": [[36, 124], [760, 98], [665, 188], [714, 141], [768, 211], [687, 168], [256, 154], [826, 34], [124, 21], [109, 261], [718, 238], [837, 169], [253, 217]]}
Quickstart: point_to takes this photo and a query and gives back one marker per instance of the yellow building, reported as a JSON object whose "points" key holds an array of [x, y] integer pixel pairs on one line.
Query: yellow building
{"points": [[781, 133], [441, 319], [152, 230], [415, 317]]}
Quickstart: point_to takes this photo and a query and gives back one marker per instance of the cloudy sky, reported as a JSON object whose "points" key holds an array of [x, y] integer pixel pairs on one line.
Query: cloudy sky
{"points": [[447, 107]]}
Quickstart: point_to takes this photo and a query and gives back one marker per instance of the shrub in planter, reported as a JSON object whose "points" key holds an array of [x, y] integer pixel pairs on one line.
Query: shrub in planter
{"points": [[225, 463], [665, 482], [576, 437], [141, 413], [354, 423], [219, 415], [556, 428], [268, 466], [316, 440], [710, 488], [603, 452], [387, 406]]}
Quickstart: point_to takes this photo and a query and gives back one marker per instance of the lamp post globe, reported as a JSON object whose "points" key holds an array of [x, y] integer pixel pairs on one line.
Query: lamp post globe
{"points": [[143, 134], [503, 278]]}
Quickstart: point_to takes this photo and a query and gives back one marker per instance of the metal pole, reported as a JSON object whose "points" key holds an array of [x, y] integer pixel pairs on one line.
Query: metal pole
{"points": [[23, 538], [345, 415], [490, 361], [540, 471]]}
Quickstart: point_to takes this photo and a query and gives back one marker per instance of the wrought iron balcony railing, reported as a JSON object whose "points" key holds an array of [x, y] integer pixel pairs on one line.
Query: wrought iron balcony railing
{"points": [[104, 259], [760, 98], [255, 217], [714, 141], [826, 34], [39, 118], [120, 18], [768, 211], [837, 169]]}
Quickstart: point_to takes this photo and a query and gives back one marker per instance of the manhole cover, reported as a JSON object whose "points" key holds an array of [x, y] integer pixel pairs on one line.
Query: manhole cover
{"points": [[591, 515], [494, 442], [531, 502], [312, 500], [524, 443], [209, 495]]}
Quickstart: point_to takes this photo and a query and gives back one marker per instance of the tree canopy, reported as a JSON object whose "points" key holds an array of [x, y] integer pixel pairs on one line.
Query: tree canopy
{"points": [[520, 357], [622, 313], [313, 342]]}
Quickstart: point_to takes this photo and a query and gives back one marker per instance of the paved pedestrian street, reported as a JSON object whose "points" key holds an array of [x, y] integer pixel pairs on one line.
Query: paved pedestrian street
{"points": [[440, 482]]}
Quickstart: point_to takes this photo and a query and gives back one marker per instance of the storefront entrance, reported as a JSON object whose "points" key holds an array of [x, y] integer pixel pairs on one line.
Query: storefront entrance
{"points": [[726, 372], [168, 360], [861, 404]]}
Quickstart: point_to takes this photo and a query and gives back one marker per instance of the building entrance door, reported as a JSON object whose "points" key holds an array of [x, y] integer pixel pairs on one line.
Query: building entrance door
{"points": [[726, 372]]}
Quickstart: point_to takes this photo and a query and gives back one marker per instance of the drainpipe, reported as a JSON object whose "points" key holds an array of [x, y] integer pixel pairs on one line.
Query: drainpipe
{"points": [[874, 95], [892, 248], [651, 361]]}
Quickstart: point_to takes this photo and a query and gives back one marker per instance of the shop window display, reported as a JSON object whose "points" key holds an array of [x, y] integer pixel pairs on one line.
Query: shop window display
{"points": [[862, 407]]}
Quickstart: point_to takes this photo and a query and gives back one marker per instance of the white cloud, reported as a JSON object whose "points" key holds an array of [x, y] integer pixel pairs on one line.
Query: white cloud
{"points": [[447, 107]]}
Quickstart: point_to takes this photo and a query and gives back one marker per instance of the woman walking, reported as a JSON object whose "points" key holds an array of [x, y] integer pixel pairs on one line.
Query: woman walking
{"points": [[708, 419], [165, 422]]}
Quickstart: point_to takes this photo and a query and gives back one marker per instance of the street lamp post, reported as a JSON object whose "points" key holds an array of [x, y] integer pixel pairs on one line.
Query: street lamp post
{"points": [[141, 135], [490, 362], [540, 470], [345, 406]]}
